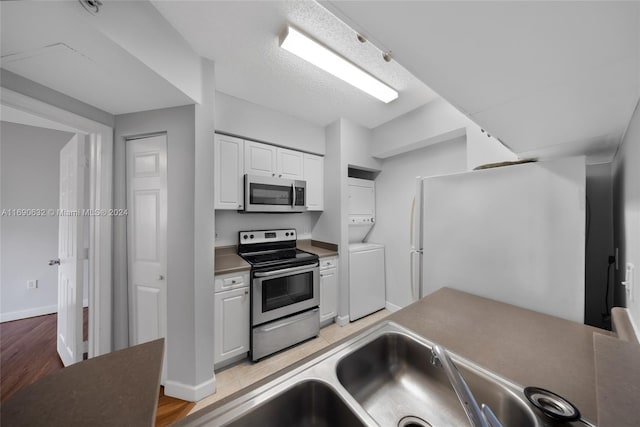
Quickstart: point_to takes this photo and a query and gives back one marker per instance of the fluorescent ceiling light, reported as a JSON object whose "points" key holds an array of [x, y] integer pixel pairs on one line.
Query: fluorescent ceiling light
{"points": [[315, 53]]}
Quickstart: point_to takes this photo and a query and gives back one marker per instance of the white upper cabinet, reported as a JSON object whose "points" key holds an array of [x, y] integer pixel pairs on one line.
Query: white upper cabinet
{"points": [[290, 164], [235, 157], [314, 175], [268, 160], [259, 159], [229, 170]]}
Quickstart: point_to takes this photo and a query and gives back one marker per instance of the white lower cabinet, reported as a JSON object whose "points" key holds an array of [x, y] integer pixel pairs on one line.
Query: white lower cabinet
{"points": [[231, 327], [328, 289]]}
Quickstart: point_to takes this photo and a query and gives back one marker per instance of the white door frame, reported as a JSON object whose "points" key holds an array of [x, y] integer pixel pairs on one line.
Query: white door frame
{"points": [[100, 199]]}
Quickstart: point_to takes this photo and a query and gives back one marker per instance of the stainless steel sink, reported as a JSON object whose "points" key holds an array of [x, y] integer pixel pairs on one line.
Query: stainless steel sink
{"points": [[392, 378], [309, 403], [380, 377]]}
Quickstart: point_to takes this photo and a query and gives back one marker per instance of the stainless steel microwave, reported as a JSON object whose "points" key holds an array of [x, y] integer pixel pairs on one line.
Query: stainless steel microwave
{"points": [[270, 194]]}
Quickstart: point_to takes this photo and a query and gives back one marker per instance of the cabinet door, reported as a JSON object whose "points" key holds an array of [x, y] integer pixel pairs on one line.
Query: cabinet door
{"points": [[314, 175], [231, 326], [259, 159], [229, 172], [290, 164], [328, 294]]}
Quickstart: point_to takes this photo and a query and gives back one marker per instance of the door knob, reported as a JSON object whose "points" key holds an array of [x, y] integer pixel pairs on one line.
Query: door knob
{"points": [[160, 277], [54, 261]]}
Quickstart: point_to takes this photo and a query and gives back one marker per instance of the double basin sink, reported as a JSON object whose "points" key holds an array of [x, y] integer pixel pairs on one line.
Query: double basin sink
{"points": [[381, 377]]}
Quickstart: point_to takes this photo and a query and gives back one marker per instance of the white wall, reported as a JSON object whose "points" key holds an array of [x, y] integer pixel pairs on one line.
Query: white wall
{"points": [[202, 375], [483, 149], [626, 169], [245, 119], [228, 223], [418, 128], [356, 143], [395, 190], [47, 95], [30, 179], [328, 226], [185, 152], [160, 46], [433, 123]]}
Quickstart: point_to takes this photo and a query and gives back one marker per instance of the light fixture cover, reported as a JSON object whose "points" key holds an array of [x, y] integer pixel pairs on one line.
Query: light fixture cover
{"points": [[320, 56]]}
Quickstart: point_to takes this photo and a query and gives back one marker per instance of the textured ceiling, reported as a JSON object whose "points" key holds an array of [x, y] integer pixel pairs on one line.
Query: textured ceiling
{"points": [[242, 37], [547, 78], [51, 43]]}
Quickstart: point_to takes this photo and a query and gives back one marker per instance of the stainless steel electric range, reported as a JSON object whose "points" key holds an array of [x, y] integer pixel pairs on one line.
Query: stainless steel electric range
{"points": [[284, 290]]}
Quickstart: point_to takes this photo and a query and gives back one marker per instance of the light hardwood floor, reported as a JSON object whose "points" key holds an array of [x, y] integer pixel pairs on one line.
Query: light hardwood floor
{"points": [[236, 377]]}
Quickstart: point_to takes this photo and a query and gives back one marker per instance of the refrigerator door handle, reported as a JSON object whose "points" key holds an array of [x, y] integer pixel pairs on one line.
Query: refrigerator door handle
{"points": [[414, 275]]}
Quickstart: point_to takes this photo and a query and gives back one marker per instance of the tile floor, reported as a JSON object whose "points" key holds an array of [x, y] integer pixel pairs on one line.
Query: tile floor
{"points": [[236, 377]]}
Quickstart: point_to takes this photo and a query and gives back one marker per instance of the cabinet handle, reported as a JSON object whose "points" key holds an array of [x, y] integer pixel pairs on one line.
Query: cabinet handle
{"points": [[280, 176], [233, 282], [246, 292], [273, 174]]}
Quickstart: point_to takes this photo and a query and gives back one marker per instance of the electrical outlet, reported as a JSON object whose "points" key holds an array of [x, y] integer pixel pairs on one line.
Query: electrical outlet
{"points": [[629, 282], [32, 284]]}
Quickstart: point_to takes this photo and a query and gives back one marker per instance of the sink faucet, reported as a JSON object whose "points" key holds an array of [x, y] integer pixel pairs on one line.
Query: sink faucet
{"points": [[479, 416]]}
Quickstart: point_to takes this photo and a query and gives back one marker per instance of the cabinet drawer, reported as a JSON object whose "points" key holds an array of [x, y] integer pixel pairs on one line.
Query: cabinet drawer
{"points": [[331, 262], [226, 282]]}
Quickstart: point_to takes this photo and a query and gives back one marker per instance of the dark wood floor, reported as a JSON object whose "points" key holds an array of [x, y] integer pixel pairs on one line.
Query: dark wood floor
{"points": [[28, 353]]}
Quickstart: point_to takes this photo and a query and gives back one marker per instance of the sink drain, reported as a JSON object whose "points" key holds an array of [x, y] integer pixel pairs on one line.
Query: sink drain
{"points": [[411, 421]]}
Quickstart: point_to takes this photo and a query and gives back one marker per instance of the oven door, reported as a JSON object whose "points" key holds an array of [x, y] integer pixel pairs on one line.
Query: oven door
{"points": [[279, 293], [268, 194]]}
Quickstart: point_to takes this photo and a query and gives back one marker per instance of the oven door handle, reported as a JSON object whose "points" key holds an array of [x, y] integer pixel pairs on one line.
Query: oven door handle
{"points": [[286, 270]]}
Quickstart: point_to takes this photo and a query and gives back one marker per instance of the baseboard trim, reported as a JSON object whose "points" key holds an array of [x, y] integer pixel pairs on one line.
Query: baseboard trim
{"points": [[188, 392], [342, 320], [392, 307], [33, 312]]}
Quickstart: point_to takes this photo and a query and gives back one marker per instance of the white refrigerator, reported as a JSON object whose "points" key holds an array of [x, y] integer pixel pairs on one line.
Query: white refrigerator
{"points": [[515, 234]]}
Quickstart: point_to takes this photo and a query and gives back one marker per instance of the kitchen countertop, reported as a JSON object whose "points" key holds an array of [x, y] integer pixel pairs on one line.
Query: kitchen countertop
{"points": [[321, 249], [526, 347], [227, 259], [118, 388], [618, 381]]}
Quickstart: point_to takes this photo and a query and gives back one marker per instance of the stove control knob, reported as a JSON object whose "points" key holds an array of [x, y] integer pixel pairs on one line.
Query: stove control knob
{"points": [[286, 234], [251, 236], [245, 236]]}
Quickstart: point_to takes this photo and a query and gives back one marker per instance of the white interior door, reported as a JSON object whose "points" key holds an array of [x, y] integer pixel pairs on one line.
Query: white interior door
{"points": [[147, 238], [71, 251]]}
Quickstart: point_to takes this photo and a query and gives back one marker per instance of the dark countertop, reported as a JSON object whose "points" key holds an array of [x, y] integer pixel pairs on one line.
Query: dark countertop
{"points": [[321, 249], [526, 347], [618, 381], [227, 259], [117, 389]]}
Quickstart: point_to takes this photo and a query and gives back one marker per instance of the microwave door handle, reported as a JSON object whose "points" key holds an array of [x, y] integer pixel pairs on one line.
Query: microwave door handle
{"points": [[293, 188]]}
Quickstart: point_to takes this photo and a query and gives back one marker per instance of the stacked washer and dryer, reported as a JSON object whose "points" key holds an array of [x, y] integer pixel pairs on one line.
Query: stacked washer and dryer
{"points": [[367, 292]]}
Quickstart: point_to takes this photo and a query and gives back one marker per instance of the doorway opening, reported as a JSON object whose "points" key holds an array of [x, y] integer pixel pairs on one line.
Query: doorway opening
{"points": [[81, 211]]}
